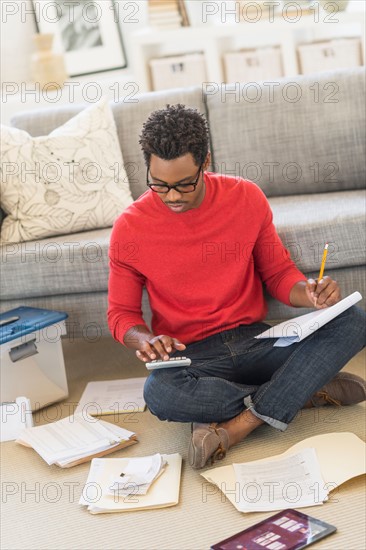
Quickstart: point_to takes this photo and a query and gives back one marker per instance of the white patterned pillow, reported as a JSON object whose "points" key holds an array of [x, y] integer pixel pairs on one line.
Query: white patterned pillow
{"points": [[69, 181]]}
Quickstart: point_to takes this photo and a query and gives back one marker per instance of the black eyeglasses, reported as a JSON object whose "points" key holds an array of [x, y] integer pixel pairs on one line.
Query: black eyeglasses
{"points": [[180, 187]]}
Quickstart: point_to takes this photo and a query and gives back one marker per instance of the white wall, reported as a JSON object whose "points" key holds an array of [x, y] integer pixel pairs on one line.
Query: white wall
{"points": [[15, 44], [16, 33]]}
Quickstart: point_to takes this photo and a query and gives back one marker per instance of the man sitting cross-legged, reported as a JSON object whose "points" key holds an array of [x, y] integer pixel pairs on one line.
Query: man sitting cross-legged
{"points": [[203, 243]]}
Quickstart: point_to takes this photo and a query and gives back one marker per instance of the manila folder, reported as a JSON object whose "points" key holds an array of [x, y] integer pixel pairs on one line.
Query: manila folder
{"points": [[162, 493], [341, 456]]}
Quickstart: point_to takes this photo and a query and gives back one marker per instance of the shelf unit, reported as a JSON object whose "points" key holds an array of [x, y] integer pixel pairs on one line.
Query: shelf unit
{"points": [[216, 40]]}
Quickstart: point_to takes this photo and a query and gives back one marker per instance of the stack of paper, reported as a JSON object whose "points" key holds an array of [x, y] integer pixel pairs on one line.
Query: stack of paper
{"points": [[75, 439], [137, 476], [301, 476], [151, 482]]}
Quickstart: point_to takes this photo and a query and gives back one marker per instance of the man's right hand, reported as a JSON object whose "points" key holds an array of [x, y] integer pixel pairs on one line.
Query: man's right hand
{"points": [[159, 348], [148, 346]]}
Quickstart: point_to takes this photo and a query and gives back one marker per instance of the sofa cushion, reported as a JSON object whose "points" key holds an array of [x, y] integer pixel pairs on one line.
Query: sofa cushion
{"points": [[76, 263], [88, 311], [129, 117], [79, 263], [68, 181], [294, 136], [306, 222]]}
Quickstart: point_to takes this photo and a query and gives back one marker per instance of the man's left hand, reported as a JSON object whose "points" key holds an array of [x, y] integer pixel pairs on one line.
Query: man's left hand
{"points": [[323, 293]]}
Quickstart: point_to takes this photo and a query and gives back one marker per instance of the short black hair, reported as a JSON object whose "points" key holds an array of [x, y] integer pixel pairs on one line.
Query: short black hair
{"points": [[173, 132]]}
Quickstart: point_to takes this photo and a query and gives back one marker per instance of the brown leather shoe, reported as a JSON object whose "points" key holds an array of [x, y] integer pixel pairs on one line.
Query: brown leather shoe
{"points": [[343, 389], [207, 442]]}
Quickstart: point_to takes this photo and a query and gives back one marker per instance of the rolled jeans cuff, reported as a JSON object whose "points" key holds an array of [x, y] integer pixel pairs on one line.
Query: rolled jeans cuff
{"points": [[271, 421]]}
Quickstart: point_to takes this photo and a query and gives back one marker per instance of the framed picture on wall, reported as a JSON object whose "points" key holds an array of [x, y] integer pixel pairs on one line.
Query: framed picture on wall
{"points": [[86, 32]]}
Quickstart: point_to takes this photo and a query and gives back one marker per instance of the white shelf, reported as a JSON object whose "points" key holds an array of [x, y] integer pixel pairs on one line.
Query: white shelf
{"points": [[214, 41]]}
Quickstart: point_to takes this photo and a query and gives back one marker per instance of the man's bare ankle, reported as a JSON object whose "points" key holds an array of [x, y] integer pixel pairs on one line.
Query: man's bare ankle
{"points": [[240, 426], [252, 418]]}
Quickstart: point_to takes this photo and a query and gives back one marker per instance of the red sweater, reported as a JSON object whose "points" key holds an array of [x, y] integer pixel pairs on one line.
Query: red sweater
{"points": [[203, 269]]}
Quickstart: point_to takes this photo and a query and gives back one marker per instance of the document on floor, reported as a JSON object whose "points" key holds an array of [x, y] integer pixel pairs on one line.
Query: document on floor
{"points": [[75, 439], [154, 483], [292, 481], [298, 328], [137, 476], [112, 397], [301, 476]]}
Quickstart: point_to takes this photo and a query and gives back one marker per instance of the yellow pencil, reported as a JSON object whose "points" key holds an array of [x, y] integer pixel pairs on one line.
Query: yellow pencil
{"points": [[325, 252]]}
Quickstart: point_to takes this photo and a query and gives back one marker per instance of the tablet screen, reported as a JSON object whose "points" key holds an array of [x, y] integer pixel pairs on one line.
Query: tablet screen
{"points": [[287, 530]]}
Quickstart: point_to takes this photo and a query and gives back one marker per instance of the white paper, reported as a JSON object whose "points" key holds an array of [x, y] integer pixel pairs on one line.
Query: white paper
{"points": [[117, 430], [14, 418], [298, 328], [112, 397], [71, 438], [291, 482], [141, 470], [137, 476]]}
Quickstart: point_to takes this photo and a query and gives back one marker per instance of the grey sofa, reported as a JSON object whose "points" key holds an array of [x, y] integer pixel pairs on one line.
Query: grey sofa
{"points": [[302, 140]]}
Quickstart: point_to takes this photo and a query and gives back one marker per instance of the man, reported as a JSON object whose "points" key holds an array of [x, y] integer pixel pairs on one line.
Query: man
{"points": [[203, 243]]}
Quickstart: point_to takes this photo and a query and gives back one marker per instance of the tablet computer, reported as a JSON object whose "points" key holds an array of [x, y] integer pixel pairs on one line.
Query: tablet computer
{"points": [[287, 530]]}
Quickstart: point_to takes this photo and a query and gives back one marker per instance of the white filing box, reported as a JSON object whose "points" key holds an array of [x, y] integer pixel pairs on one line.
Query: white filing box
{"points": [[327, 55], [178, 71], [31, 360], [253, 65]]}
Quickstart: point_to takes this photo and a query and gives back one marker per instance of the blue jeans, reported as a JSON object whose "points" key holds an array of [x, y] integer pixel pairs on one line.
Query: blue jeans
{"points": [[232, 371]]}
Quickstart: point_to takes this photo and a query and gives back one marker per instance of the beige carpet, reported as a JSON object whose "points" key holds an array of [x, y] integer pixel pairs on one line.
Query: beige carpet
{"points": [[40, 503]]}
